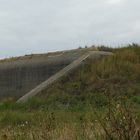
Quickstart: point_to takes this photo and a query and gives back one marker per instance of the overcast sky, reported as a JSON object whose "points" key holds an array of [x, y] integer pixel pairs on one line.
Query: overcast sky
{"points": [[37, 26]]}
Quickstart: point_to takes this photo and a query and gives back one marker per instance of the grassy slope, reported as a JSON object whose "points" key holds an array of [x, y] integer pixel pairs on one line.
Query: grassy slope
{"points": [[85, 104], [112, 77]]}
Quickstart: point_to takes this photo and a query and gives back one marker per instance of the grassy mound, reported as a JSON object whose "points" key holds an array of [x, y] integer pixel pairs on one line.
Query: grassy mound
{"points": [[99, 100], [113, 77]]}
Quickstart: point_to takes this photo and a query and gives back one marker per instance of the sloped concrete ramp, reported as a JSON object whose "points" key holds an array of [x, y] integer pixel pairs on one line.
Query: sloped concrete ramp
{"points": [[58, 75]]}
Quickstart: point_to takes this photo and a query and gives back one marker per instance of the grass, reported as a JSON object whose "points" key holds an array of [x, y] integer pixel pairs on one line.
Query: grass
{"points": [[99, 100]]}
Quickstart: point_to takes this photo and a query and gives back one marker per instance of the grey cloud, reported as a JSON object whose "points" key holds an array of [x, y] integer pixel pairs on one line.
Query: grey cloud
{"points": [[37, 26]]}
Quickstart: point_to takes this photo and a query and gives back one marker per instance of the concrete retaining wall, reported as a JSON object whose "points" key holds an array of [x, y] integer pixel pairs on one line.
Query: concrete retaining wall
{"points": [[18, 77]]}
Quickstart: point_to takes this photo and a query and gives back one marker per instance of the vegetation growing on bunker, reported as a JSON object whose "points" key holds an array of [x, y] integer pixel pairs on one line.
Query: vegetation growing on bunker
{"points": [[98, 100]]}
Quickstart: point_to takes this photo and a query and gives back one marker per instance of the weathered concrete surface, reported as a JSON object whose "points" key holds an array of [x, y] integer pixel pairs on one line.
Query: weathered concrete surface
{"points": [[45, 84], [20, 75]]}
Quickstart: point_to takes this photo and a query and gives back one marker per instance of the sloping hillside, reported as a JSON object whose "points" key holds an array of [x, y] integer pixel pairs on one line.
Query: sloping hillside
{"points": [[117, 75], [99, 100]]}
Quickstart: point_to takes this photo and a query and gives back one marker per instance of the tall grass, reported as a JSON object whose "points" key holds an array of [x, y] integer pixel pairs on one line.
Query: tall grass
{"points": [[99, 100]]}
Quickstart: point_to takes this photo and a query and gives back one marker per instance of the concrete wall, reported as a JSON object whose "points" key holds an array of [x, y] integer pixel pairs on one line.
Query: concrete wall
{"points": [[19, 76]]}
